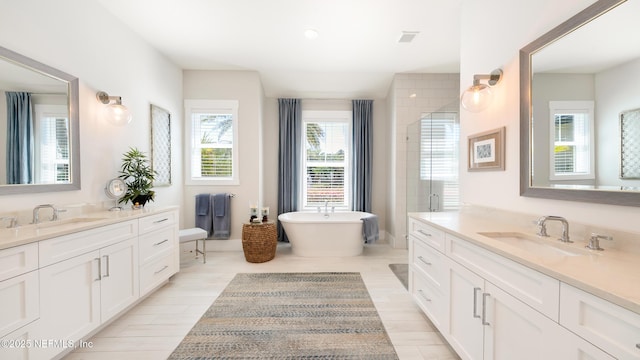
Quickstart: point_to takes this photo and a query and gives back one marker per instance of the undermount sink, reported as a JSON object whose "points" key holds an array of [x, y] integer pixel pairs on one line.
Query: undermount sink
{"points": [[531, 244], [78, 220]]}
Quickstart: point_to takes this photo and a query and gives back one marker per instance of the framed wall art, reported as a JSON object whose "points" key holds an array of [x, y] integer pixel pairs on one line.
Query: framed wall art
{"points": [[161, 145], [486, 150]]}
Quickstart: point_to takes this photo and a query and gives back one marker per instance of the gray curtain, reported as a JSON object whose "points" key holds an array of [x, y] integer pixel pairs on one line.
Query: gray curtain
{"points": [[290, 120], [20, 142], [362, 154]]}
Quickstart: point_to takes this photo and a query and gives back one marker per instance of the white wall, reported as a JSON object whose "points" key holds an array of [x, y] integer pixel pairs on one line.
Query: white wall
{"points": [[245, 87], [83, 39], [493, 32]]}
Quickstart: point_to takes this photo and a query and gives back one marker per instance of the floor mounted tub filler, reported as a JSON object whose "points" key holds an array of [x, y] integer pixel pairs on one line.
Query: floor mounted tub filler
{"points": [[324, 234]]}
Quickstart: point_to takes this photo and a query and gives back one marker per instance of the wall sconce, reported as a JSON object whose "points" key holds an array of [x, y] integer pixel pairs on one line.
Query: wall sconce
{"points": [[115, 112], [478, 97]]}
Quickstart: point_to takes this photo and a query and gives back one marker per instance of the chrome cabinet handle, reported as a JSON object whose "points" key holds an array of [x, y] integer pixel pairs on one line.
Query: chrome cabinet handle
{"points": [[161, 220], [475, 302], [161, 242], [107, 261], [161, 270], [424, 232], [424, 260], [484, 308], [99, 269], [423, 295]]}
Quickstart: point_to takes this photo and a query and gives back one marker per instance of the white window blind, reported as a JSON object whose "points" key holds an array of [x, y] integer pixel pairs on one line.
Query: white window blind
{"points": [[213, 142], [439, 159], [52, 144], [571, 139], [327, 139]]}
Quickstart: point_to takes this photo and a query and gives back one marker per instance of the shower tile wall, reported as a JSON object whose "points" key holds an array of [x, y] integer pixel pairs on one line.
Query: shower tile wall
{"points": [[432, 92]]}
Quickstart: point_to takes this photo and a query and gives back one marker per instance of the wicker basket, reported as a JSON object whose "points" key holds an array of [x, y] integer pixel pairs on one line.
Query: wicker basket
{"points": [[259, 242]]}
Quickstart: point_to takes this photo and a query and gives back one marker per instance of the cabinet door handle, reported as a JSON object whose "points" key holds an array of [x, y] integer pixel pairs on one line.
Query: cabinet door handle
{"points": [[475, 302], [107, 261], [424, 232], [423, 295], [484, 308], [161, 242], [424, 260], [161, 270], [161, 220], [99, 269]]}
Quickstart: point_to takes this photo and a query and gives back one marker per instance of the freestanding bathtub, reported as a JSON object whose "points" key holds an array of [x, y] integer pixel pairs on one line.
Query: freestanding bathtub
{"points": [[319, 234]]}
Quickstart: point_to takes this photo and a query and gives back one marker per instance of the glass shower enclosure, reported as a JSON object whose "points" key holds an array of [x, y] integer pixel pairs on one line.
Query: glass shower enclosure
{"points": [[433, 161]]}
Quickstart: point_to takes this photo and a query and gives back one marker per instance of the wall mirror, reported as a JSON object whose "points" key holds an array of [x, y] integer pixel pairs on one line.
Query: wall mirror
{"points": [[39, 115], [576, 82]]}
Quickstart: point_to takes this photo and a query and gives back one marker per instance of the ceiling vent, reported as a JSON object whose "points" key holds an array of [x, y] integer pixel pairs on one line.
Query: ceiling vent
{"points": [[408, 36]]}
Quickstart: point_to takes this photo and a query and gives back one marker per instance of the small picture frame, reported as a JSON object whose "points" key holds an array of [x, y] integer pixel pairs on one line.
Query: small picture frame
{"points": [[486, 150]]}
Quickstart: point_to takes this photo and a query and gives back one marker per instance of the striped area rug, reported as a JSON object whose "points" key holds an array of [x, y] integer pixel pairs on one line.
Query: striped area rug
{"points": [[290, 316]]}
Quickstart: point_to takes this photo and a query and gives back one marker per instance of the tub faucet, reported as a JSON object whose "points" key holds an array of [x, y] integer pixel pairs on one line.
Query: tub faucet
{"points": [[36, 213], [542, 227]]}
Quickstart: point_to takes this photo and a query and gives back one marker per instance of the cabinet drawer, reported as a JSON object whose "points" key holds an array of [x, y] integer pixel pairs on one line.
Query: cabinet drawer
{"points": [[156, 244], [19, 297], [428, 234], [430, 299], [18, 260], [157, 221], [67, 246], [155, 272], [429, 262], [535, 289], [612, 328]]}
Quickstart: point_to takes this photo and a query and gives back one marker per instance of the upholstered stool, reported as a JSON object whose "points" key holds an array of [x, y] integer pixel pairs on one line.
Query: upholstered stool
{"points": [[195, 234]]}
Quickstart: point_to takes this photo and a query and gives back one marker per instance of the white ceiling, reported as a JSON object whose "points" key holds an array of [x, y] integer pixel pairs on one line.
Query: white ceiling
{"points": [[356, 54]]}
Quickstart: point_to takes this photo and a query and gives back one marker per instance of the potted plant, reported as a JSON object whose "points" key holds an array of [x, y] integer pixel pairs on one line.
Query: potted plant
{"points": [[136, 172]]}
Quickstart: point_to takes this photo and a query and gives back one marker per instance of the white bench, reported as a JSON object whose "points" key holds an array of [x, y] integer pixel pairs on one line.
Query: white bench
{"points": [[195, 234]]}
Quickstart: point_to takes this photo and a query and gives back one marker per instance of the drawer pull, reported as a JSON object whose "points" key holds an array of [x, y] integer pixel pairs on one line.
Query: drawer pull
{"points": [[106, 260], [475, 302], [161, 242], [484, 308], [423, 295], [161, 270], [424, 260], [424, 232], [161, 220]]}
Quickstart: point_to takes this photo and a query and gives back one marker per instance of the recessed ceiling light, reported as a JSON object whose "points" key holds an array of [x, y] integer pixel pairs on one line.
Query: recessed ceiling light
{"points": [[311, 34], [408, 36]]}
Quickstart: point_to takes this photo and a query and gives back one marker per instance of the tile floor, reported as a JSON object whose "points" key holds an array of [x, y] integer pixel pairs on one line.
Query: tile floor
{"points": [[153, 328]]}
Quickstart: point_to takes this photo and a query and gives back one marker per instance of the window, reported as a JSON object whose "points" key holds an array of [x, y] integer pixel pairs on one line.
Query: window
{"points": [[572, 153], [439, 160], [51, 144], [326, 159], [212, 136]]}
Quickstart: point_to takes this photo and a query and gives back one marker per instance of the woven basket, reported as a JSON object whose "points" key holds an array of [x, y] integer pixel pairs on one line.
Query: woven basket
{"points": [[259, 242]]}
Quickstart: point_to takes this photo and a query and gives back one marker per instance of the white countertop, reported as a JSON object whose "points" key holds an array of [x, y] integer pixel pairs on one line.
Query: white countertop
{"points": [[612, 274], [49, 229]]}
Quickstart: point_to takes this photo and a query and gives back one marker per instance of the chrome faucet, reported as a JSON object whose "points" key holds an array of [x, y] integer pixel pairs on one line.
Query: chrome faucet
{"points": [[13, 221], [594, 241], [36, 213], [542, 227]]}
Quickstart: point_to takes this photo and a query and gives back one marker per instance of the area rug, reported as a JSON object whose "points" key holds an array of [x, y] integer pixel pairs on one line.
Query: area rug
{"points": [[402, 273], [290, 316]]}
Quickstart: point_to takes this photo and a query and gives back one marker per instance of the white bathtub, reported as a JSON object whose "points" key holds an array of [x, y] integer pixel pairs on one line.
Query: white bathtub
{"points": [[317, 235]]}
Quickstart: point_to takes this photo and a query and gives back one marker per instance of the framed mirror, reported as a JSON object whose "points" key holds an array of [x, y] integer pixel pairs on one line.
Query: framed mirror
{"points": [[39, 112], [576, 82]]}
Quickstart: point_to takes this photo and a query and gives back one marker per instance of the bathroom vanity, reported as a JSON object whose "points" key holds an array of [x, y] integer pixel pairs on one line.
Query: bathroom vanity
{"points": [[62, 281], [495, 290]]}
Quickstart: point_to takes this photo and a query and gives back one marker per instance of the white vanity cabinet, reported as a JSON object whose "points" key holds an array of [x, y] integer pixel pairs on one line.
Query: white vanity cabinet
{"points": [[19, 287], [159, 250], [492, 307]]}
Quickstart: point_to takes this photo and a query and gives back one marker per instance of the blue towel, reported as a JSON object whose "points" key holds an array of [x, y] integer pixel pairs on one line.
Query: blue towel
{"points": [[370, 230], [221, 224], [203, 215]]}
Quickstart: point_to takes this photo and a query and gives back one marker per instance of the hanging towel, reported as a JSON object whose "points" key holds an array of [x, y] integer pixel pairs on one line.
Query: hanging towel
{"points": [[370, 230], [203, 215], [222, 216]]}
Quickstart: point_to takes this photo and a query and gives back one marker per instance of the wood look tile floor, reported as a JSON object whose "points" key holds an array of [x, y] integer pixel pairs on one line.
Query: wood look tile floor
{"points": [[154, 327]]}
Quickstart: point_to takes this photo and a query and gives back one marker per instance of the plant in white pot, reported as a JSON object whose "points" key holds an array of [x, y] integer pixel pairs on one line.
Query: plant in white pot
{"points": [[137, 173]]}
